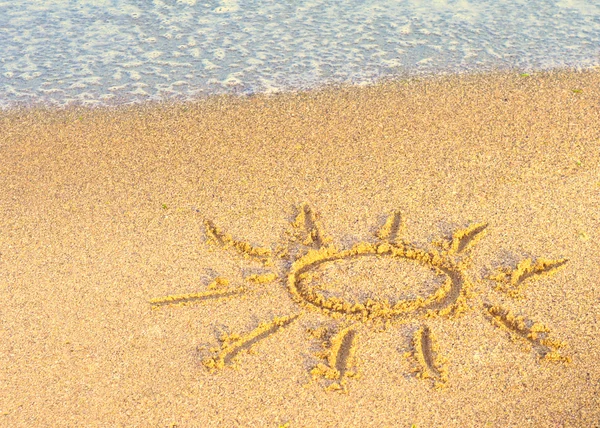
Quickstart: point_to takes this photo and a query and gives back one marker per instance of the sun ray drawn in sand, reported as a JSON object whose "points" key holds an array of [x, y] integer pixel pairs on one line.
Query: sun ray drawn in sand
{"points": [[448, 258]]}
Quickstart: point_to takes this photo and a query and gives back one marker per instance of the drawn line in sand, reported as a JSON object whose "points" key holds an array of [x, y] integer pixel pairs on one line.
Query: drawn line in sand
{"points": [[466, 238], [216, 290], [512, 281], [427, 353], [536, 334], [216, 236], [182, 299], [392, 228], [261, 278], [313, 230], [449, 258], [340, 359], [233, 344]]}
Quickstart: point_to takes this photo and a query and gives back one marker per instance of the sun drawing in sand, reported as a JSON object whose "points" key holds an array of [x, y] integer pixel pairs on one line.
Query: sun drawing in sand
{"points": [[449, 259]]}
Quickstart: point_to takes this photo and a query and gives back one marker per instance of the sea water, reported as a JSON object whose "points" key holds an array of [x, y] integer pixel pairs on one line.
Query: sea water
{"points": [[102, 52]]}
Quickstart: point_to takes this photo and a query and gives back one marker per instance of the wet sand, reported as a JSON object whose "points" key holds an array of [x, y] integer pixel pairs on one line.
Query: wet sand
{"points": [[104, 210]]}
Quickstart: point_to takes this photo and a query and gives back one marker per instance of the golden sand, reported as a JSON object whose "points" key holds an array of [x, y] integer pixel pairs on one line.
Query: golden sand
{"points": [[164, 264]]}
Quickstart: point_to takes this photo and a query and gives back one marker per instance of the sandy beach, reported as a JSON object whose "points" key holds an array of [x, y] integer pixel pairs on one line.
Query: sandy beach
{"points": [[422, 252]]}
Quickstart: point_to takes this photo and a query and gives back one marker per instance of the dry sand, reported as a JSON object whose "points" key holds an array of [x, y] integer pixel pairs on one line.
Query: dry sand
{"points": [[103, 210]]}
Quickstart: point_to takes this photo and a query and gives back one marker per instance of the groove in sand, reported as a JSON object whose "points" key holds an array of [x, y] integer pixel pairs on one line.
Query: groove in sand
{"points": [[426, 352], [307, 220], [340, 358], [180, 299], [512, 281], [536, 334], [233, 344], [216, 290], [392, 228], [215, 235]]}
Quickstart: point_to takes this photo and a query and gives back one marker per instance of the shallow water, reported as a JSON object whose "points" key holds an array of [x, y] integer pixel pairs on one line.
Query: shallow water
{"points": [[102, 52]]}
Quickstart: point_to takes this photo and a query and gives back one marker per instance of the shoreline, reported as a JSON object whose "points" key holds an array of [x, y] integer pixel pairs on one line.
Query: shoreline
{"points": [[401, 78]]}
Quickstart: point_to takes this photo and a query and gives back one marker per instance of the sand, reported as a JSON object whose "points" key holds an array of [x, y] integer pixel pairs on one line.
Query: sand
{"points": [[484, 187]]}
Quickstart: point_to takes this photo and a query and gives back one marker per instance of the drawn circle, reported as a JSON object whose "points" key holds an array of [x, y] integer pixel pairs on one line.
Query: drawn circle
{"points": [[441, 298]]}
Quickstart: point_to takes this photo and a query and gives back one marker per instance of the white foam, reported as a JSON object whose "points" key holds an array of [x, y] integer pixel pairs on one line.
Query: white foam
{"points": [[227, 6], [52, 52]]}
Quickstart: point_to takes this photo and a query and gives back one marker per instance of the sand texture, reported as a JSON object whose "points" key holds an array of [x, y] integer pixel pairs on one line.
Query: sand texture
{"points": [[417, 252]]}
